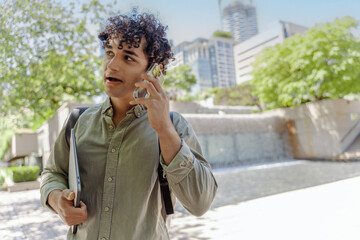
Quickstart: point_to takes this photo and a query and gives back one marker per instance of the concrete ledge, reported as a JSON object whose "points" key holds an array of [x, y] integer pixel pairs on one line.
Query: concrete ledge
{"points": [[323, 130], [193, 107], [22, 186], [350, 156]]}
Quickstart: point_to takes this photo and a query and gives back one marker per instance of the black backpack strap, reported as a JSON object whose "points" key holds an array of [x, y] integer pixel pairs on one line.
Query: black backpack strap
{"points": [[74, 116], [164, 185]]}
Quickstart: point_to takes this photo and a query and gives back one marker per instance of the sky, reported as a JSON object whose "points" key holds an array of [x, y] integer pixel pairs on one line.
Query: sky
{"points": [[189, 19]]}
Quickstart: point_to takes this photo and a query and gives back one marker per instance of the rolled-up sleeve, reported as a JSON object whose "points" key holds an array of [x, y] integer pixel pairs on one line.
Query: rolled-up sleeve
{"points": [[54, 175], [189, 174]]}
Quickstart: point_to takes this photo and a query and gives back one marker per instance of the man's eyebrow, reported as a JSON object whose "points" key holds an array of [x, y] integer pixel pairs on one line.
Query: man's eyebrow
{"points": [[130, 53]]}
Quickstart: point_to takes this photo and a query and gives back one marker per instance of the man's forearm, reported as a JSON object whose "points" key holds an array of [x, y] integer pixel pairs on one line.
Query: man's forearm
{"points": [[170, 144], [53, 198]]}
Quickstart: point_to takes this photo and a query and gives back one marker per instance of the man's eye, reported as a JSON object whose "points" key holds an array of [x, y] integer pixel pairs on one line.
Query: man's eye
{"points": [[127, 58], [109, 53]]}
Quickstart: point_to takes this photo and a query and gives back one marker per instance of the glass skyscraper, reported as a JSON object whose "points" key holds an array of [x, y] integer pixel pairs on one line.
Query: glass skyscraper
{"points": [[239, 18], [211, 60]]}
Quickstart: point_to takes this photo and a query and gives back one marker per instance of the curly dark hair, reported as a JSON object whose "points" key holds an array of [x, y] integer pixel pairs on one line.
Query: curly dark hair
{"points": [[130, 29]]}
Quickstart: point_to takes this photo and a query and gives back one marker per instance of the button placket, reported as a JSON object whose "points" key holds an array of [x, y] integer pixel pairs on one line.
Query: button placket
{"points": [[110, 174]]}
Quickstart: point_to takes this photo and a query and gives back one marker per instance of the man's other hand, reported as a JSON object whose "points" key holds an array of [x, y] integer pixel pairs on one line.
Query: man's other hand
{"points": [[63, 203]]}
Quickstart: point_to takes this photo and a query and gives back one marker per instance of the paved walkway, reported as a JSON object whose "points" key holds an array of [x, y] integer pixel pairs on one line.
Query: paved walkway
{"points": [[329, 211], [326, 212]]}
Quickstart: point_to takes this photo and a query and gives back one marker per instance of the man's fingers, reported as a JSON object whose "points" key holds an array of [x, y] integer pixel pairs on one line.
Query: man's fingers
{"points": [[83, 206], [149, 87], [68, 194], [142, 101], [154, 81], [74, 216]]}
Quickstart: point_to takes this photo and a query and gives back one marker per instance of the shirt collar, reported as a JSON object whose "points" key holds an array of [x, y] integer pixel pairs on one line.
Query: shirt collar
{"points": [[137, 110], [106, 106]]}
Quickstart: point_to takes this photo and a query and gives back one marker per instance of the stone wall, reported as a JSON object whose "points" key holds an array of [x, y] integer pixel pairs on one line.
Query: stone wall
{"points": [[192, 107], [326, 129], [241, 140], [322, 130]]}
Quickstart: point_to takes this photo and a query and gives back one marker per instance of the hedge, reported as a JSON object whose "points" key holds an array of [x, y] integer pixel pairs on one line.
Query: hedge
{"points": [[2, 180], [22, 174]]}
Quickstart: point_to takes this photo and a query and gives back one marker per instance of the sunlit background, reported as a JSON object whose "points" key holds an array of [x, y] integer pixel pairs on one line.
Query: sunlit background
{"points": [[272, 89]]}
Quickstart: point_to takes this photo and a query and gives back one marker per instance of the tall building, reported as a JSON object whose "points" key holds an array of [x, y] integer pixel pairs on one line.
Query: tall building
{"points": [[211, 60], [244, 52], [222, 62], [239, 18], [196, 55]]}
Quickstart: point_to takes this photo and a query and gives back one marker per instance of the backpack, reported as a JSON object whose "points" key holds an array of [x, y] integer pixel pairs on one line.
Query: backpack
{"points": [[164, 185]]}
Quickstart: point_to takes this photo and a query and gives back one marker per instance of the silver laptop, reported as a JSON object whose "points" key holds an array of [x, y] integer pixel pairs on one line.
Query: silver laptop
{"points": [[74, 175]]}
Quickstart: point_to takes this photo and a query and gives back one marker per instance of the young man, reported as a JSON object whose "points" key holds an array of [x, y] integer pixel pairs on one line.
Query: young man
{"points": [[118, 146]]}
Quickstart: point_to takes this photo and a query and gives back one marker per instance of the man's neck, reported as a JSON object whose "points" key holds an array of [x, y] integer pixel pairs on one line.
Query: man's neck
{"points": [[120, 107]]}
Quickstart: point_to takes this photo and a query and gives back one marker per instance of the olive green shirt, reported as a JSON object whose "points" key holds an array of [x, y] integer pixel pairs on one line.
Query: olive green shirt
{"points": [[119, 178]]}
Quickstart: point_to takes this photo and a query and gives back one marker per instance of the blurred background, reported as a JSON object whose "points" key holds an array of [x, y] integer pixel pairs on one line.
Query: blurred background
{"points": [[272, 89]]}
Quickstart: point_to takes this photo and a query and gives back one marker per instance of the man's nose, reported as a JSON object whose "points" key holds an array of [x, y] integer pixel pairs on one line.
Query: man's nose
{"points": [[114, 64]]}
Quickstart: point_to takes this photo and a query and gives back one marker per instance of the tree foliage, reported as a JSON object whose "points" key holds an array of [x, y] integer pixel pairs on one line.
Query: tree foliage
{"points": [[240, 95], [222, 34], [322, 63], [48, 57], [179, 79]]}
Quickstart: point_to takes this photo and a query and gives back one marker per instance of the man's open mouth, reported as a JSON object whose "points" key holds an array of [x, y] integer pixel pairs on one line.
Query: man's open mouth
{"points": [[111, 79]]}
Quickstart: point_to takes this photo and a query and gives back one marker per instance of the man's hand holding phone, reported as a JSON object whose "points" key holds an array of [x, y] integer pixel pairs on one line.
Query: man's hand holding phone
{"points": [[155, 71], [157, 104], [155, 99]]}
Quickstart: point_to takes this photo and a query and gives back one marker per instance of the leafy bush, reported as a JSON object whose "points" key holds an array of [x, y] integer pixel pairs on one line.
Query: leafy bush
{"points": [[22, 174], [2, 180], [6, 135], [239, 95], [187, 98]]}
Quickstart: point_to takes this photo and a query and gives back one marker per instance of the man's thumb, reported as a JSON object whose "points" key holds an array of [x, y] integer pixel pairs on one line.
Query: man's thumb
{"points": [[68, 194]]}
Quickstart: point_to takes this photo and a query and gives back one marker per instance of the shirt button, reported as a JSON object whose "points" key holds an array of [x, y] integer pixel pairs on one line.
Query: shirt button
{"points": [[113, 150], [103, 238], [109, 179], [183, 164], [106, 209], [111, 127], [110, 110]]}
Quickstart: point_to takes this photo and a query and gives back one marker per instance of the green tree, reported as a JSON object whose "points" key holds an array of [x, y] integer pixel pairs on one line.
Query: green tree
{"points": [[222, 34], [240, 95], [48, 57], [177, 80], [322, 63]]}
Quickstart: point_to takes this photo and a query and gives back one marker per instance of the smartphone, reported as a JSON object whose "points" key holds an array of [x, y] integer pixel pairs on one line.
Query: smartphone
{"points": [[155, 72]]}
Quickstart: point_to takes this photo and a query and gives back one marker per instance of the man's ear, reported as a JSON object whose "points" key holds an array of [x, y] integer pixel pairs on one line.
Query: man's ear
{"points": [[161, 67]]}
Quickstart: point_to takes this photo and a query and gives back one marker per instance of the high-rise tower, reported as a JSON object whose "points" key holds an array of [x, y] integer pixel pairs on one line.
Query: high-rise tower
{"points": [[239, 18]]}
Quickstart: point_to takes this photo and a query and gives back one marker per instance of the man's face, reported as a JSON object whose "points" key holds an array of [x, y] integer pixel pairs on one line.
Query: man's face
{"points": [[122, 68]]}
